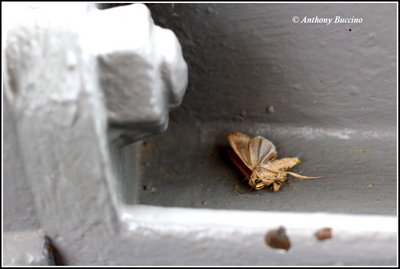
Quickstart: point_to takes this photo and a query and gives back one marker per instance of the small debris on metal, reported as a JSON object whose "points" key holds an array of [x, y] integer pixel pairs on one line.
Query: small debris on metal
{"points": [[323, 234], [278, 239]]}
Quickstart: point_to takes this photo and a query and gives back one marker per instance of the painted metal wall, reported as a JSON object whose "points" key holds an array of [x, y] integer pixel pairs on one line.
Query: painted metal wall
{"points": [[246, 58], [76, 189]]}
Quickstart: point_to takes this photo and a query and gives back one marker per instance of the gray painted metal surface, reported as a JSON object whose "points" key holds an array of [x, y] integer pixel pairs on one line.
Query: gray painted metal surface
{"points": [[322, 92], [82, 94], [27, 248]]}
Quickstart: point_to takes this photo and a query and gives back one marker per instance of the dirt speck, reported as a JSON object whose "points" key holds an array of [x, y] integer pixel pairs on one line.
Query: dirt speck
{"points": [[323, 234], [278, 239]]}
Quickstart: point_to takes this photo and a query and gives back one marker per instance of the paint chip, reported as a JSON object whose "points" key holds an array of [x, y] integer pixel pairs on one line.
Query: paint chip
{"points": [[323, 234], [278, 239]]}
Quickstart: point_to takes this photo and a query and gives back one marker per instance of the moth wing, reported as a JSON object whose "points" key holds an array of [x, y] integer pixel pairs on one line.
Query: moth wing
{"points": [[239, 163], [284, 164], [240, 144], [261, 151]]}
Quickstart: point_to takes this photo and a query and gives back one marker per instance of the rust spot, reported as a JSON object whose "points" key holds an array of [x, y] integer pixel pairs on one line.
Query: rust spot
{"points": [[145, 143], [323, 234], [49, 249], [278, 239]]}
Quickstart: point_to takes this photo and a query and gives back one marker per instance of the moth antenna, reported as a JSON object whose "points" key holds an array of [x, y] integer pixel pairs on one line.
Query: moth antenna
{"points": [[241, 180]]}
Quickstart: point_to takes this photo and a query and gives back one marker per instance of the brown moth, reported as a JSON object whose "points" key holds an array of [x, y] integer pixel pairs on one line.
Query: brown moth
{"points": [[256, 159]]}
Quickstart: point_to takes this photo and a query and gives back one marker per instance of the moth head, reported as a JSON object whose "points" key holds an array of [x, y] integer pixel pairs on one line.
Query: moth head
{"points": [[260, 178], [256, 183]]}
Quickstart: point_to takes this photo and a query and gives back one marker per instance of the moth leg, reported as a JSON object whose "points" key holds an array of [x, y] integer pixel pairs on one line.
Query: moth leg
{"points": [[300, 176], [274, 171], [236, 188], [293, 174], [277, 184]]}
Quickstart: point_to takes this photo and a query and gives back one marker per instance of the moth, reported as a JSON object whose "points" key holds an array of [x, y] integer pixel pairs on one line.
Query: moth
{"points": [[256, 159]]}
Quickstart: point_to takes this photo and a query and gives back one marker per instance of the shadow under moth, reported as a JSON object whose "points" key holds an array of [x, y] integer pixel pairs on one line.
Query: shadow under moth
{"points": [[256, 159]]}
